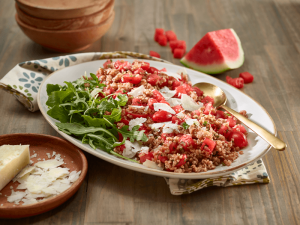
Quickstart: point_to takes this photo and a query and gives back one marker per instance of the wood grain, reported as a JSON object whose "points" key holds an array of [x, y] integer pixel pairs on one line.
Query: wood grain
{"points": [[269, 31]]}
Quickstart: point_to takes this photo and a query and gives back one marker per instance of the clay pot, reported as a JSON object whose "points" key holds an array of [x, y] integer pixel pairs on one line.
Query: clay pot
{"points": [[41, 145], [61, 9], [67, 24], [66, 40]]}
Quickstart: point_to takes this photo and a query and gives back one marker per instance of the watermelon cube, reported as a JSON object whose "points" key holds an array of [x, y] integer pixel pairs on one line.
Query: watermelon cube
{"points": [[154, 54], [177, 44], [162, 40], [178, 53], [171, 36], [158, 32]]}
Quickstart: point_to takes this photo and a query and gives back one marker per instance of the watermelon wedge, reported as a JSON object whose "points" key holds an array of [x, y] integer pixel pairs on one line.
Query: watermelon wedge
{"points": [[216, 52]]}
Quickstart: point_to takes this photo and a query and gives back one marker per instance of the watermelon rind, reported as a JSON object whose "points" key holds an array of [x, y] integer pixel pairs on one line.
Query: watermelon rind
{"points": [[218, 68]]}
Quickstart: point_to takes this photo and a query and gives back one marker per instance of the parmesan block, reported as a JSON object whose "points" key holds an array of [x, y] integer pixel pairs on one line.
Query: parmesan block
{"points": [[13, 158]]}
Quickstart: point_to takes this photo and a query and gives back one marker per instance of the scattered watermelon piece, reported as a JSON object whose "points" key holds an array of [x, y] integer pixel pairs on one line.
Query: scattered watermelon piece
{"points": [[235, 82], [216, 52], [171, 36], [154, 54], [162, 40], [177, 44], [178, 53], [248, 77], [158, 32]]}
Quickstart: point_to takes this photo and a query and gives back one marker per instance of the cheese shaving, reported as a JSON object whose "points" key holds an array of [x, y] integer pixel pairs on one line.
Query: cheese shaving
{"points": [[137, 121], [131, 149], [189, 104], [171, 74], [163, 106], [152, 165], [174, 101], [167, 93], [137, 91]]}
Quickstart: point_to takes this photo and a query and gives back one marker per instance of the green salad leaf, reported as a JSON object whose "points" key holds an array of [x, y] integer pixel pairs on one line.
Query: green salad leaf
{"points": [[88, 118]]}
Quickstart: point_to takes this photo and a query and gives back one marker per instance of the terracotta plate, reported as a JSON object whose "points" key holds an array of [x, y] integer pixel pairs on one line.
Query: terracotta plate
{"points": [[42, 144]]}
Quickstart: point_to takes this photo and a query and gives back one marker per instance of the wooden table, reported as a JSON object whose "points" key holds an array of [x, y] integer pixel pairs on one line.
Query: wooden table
{"points": [[270, 34]]}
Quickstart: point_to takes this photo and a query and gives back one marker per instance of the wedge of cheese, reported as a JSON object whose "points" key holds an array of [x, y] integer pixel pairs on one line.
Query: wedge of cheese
{"points": [[13, 158]]}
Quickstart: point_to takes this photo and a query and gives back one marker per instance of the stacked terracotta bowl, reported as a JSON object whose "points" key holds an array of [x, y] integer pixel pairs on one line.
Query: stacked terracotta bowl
{"points": [[65, 25]]}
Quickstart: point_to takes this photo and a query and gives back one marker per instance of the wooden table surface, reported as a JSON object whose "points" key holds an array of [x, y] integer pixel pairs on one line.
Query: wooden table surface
{"points": [[270, 34]]}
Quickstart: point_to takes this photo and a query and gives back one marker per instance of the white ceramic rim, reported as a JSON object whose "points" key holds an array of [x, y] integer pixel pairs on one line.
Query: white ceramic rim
{"points": [[120, 162]]}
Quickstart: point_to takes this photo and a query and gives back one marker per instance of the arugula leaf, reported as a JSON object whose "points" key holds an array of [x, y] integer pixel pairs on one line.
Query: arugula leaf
{"points": [[115, 115], [78, 129], [52, 87], [116, 154], [134, 134], [108, 146], [95, 122], [122, 99], [58, 97], [59, 113], [185, 125]]}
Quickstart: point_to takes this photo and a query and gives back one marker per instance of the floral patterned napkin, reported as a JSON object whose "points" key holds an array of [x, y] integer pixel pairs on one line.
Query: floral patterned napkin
{"points": [[24, 80]]}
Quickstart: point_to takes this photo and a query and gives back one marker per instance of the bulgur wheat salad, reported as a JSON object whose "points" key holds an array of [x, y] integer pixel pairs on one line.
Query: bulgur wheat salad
{"points": [[148, 116]]}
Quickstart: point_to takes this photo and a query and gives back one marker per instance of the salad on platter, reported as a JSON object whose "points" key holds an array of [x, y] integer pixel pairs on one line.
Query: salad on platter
{"points": [[148, 116]]}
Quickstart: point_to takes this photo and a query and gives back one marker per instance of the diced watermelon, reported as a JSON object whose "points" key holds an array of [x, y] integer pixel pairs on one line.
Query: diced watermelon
{"points": [[248, 77], [154, 54], [158, 32], [177, 44], [171, 36], [178, 53], [162, 40]]}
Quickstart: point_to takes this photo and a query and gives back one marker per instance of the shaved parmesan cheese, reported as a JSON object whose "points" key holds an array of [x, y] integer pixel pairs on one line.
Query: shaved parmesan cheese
{"points": [[192, 121], [58, 172], [189, 104], [174, 101], [95, 92], [131, 149], [35, 184], [52, 163], [29, 201], [145, 149], [16, 196], [156, 126], [167, 93], [152, 165], [181, 115], [169, 128], [137, 91], [26, 170], [44, 181], [163, 106], [74, 175], [171, 74], [182, 71], [137, 121]]}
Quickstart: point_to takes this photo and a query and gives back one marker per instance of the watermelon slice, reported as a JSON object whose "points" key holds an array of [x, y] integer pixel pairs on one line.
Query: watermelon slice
{"points": [[216, 52]]}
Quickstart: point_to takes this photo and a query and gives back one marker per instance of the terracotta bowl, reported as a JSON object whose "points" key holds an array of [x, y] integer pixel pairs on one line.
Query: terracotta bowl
{"points": [[66, 40], [61, 9], [67, 24], [41, 144]]}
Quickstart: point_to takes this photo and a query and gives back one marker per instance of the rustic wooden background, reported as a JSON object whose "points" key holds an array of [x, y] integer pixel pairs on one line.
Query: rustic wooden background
{"points": [[269, 31]]}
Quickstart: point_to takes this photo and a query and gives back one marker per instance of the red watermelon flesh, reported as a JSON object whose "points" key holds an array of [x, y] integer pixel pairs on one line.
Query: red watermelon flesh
{"points": [[216, 52]]}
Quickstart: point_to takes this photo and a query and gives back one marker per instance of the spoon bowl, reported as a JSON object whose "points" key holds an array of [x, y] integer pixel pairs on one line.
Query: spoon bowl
{"points": [[220, 100]]}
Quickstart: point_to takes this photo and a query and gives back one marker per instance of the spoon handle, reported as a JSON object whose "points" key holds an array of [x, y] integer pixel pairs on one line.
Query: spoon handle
{"points": [[266, 135]]}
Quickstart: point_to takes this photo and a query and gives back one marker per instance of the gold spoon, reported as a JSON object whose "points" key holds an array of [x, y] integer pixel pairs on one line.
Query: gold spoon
{"points": [[219, 101]]}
